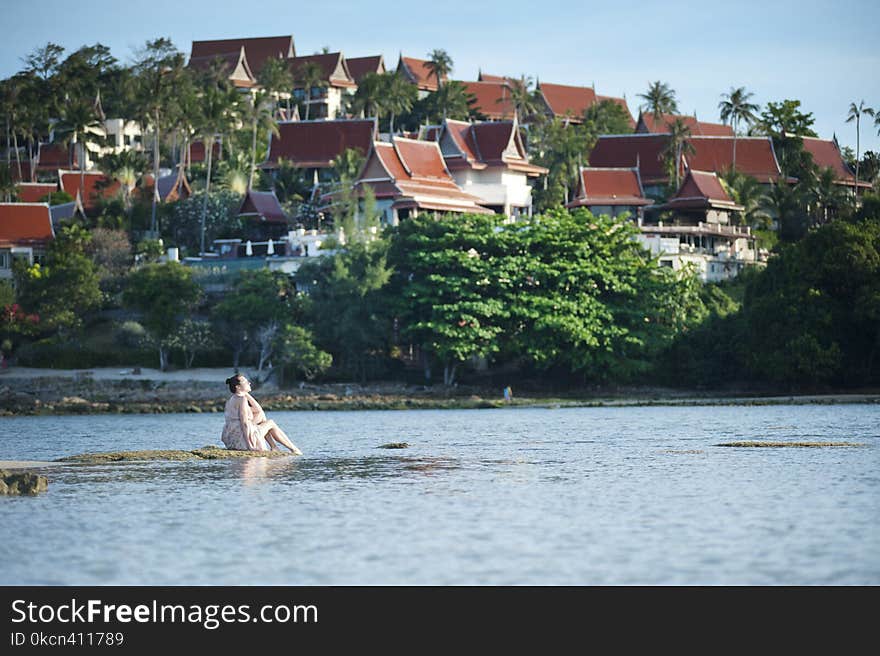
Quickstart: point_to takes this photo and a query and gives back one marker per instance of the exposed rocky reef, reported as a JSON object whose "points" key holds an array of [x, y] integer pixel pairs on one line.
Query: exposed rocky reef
{"points": [[205, 453], [22, 483]]}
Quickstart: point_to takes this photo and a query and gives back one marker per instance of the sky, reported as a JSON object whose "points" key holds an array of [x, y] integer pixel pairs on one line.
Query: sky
{"points": [[824, 54]]}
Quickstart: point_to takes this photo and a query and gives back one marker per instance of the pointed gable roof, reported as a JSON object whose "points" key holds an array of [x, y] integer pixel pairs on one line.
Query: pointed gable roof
{"points": [[480, 145], [96, 186], [315, 144], [826, 154], [360, 66], [32, 192], [333, 67], [642, 151], [647, 124], [264, 205], [54, 156], [172, 187], [567, 101], [609, 186], [486, 77], [492, 99], [414, 174], [418, 73], [25, 224], [257, 50], [701, 190], [233, 64], [754, 156]]}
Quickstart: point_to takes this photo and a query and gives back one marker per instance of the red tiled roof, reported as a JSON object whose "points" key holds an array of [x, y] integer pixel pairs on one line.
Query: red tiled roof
{"points": [[563, 100], [54, 156], [485, 77], [601, 186], [479, 145], [647, 123], [826, 154], [97, 186], [32, 192], [333, 68], [754, 156], [644, 151], [26, 175], [315, 144], [413, 173], [25, 224], [263, 204], [701, 190], [622, 103], [493, 99], [257, 50], [418, 72], [360, 66], [233, 64]]}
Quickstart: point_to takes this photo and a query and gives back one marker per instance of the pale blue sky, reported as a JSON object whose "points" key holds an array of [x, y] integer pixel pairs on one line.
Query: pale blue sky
{"points": [[824, 53]]}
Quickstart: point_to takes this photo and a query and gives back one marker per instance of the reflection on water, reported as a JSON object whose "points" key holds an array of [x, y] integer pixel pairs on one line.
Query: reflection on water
{"points": [[511, 496]]}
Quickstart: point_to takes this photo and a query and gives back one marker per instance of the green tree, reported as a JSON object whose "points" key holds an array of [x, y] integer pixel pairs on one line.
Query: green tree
{"points": [[368, 100], [79, 124], [562, 148], [736, 108], [165, 294], [440, 64], [399, 96], [659, 99], [749, 193], [677, 147], [63, 289], [607, 117], [523, 97], [298, 355], [310, 77], [786, 124], [192, 337], [855, 113]]}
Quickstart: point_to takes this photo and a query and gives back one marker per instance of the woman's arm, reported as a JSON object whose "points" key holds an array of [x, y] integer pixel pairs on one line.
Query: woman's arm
{"points": [[244, 418], [259, 415]]}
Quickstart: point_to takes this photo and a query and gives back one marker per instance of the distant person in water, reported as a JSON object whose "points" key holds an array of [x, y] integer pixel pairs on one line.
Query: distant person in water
{"points": [[247, 428]]}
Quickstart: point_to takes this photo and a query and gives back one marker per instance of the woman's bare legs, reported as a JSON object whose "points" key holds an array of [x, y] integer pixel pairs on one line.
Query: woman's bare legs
{"points": [[278, 435]]}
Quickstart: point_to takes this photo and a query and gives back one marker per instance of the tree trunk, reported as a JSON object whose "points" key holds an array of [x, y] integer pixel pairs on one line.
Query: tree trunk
{"points": [[207, 193], [449, 374], [391, 124], [253, 155], [153, 224], [856, 183], [734, 146], [17, 155], [163, 357]]}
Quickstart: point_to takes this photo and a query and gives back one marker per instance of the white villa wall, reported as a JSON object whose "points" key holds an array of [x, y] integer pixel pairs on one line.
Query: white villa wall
{"points": [[496, 186]]}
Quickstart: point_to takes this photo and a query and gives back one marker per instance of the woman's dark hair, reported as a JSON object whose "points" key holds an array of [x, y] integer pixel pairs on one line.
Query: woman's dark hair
{"points": [[233, 381]]}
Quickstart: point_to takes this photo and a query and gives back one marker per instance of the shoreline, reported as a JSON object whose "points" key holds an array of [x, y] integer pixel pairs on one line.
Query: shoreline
{"points": [[28, 391]]}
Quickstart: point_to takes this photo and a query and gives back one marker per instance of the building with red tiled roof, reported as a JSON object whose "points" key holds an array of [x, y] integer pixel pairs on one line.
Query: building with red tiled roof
{"points": [[315, 144], [701, 197], [492, 99], [408, 177], [172, 188], [360, 66], [417, 72], [567, 102], [826, 154], [486, 77], [489, 161], [233, 65], [54, 156], [262, 205], [33, 192], [25, 231], [648, 124], [754, 156], [322, 101], [197, 152], [611, 191], [90, 187], [257, 50]]}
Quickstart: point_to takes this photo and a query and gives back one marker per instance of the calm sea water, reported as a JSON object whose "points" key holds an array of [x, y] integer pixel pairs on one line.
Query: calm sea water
{"points": [[512, 496]]}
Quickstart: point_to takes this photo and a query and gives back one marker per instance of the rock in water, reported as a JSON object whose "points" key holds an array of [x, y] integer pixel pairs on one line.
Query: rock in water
{"points": [[393, 445], [21, 483]]}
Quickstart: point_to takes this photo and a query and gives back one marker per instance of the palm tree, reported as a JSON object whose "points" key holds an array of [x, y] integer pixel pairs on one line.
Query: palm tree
{"points": [[127, 167], [735, 107], [678, 145], [749, 193], [399, 96], [855, 114], [825, 195], [311, 76], [258, 110], [452, 100], [218, 111], [522, 97], [276, 79], [659, 99], [440, 64], [367, 100], [79, 120]]}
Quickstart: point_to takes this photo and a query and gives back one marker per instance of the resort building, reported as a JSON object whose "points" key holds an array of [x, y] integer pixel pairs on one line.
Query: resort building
{"points": [[611, 191], [325, 100], [88, 188], [488, 160], [34, 192], [409, 177], [648, 124], [25, 231], [172, 187], [313, 145], [417, 72], [826, 154], [256, 50], [570, 102], [264, 217], [698, 230], [358, 67], [493, 100], [232, 65]]}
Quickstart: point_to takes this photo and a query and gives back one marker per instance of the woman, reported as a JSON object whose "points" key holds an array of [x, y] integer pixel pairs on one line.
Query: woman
{"points": [[247, 428]]}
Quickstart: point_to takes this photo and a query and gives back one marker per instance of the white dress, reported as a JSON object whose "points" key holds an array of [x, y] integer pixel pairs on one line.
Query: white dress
{"points": [[254, 439]]}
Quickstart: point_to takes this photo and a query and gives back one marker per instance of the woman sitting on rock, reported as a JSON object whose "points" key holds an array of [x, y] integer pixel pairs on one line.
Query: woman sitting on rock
{"points": [[247, 428]]}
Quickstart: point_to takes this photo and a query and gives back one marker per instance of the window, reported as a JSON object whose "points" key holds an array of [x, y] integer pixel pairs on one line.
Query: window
{"points": [[299, 94], [666, 263], [4, 260]]}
